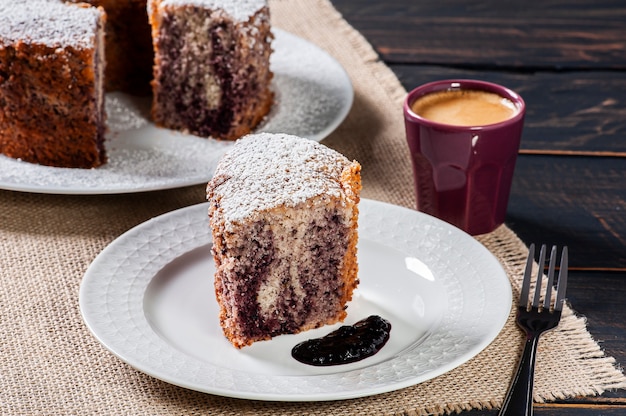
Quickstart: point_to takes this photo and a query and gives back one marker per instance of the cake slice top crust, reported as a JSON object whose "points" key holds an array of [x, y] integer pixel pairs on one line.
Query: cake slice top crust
{"points": [[266, 171], [49, 23], [239, 10]]}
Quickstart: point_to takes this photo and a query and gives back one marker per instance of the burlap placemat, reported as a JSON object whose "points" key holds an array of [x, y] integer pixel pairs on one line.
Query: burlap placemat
{"points": [[52, 365]]}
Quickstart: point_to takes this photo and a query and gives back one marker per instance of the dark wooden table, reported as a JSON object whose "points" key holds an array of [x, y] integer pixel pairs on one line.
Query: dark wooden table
{"points": [[568, 60]]}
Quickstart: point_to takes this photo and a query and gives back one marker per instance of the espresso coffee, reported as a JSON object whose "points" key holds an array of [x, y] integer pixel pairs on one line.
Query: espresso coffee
{"points": [[464, 160], [462, 107]]}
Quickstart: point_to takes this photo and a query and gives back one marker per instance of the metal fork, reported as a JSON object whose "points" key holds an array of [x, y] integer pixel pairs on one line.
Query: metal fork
{"points": [[535, 319]]}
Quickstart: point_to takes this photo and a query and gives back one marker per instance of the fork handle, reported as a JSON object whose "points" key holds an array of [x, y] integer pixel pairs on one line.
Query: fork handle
{"points": [[519, 399]]}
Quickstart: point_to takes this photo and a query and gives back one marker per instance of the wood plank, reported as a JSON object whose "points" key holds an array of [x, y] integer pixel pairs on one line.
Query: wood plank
{"points": [[577, 201], [580, 112], [599, 297], [491, 33]]}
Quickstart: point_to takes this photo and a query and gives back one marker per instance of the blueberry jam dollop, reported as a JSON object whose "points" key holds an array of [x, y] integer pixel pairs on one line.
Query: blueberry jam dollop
{"points": [[348, 344]]}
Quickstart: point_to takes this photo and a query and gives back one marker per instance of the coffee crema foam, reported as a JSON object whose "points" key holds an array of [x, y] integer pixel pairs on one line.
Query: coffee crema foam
{"points": [[464, 107]]}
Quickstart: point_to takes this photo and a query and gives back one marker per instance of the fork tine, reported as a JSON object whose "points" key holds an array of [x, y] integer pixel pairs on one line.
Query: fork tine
{"points": [[523, 297], [542, 262], [562, 283], [548, 298], [535, 321]]}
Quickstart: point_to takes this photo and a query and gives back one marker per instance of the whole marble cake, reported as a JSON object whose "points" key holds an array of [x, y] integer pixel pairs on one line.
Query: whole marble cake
{"points": [[283, 214]]}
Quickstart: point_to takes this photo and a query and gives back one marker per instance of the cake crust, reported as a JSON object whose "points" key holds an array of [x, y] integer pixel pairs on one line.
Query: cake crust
{"points": [[51, 104], [284, 213]]}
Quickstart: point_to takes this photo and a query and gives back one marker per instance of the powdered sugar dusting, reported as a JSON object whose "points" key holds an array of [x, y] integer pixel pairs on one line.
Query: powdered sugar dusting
{"points": [[265, 171], [50, 23], [240, 10], [125, 113]]}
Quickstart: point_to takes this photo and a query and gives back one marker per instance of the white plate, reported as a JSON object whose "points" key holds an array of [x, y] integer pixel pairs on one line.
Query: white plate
{"points": [[149, 299], [313, 96]]}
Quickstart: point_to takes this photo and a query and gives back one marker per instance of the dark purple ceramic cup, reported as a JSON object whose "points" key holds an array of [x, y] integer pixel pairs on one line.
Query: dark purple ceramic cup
{"points": [[463, 174]]}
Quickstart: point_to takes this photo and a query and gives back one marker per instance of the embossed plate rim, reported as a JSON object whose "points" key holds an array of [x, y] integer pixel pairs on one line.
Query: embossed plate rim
{"points": [[477, 289]]}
